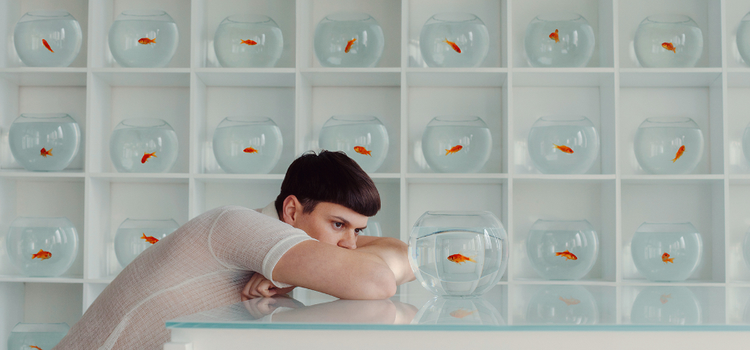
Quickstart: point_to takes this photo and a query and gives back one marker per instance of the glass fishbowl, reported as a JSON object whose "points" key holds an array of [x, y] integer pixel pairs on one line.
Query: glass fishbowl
{"points": [[562, 249], [248, 41], [666, 305], [454, 40], [47, 38], [362, 137], [372, 229], [746, 142], [247, 145], [562, 304], [668, 40], [458, 254], [143, 38], [44, 141], [42, 246], [666, 251], [464, 311], [563, 144], [143, 146], [28, 336], [668, 145], [348, 39], [743, 38], [456, 144], [134, 236], [559, 39]]}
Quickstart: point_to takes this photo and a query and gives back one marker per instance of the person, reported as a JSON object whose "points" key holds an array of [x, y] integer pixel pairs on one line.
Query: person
{"points": [[307, 237]]}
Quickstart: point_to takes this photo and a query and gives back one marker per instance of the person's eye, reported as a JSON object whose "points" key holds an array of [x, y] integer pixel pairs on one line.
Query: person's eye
{"points": [[357, 231], [338, 224]]}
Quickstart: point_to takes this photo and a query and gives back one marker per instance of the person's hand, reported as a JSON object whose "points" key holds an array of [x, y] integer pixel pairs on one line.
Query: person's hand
{"points": [[260, 307], [260, 286]]}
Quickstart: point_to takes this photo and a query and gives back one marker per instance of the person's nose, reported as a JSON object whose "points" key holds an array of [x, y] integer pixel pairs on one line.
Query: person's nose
{"points": [[349, 241]]}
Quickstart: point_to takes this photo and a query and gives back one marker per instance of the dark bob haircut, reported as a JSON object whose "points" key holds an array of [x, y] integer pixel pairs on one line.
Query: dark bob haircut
{"points": [[329, 177]]}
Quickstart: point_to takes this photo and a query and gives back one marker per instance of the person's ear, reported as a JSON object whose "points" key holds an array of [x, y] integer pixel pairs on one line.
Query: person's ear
{"points": [[291, 209]]}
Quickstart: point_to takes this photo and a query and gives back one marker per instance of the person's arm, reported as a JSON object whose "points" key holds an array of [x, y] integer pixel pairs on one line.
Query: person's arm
{"points": [[394, 252]]}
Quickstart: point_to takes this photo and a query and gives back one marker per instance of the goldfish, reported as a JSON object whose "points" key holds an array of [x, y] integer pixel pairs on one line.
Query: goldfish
{"points": [[458, 258], [455, 149], [564, 148], [42, 255], [362, 150], [679, 153], [570, 301], [663, 298], [146, 41], [149, 239], [349, 45], [669, 47], [555, 36], [665, 258], [249, 42], [250, 150], [453, 45], [461, 313], [46, 44], [567, 254], [146, 156], [35, 347], [44, 153]]}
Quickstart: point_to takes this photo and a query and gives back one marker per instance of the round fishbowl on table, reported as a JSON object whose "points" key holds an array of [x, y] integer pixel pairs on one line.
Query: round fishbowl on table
{"points": [[247, 145], [458, 254], [362, 138], [44, 141], [454, 40], [668, 40], [143, 38], [348, 39], [42, 246], [134, 236], [743, 38], [47, 38], [143, 146], [559, 39], [666, 305], [563, 144], [464, 311], [666, 251], [560, 304], [668, 145], [456, 144], [562, 249], [248, 41], [29, 336]]}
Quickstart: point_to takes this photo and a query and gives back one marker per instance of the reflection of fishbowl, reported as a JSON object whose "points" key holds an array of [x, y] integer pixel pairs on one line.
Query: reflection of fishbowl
{"points": [[42, 247], [134, 236], [247, 145], [143, 146], [348, 40], [465, 311], [456, 144], [454, 40], [743, 38], [45, 141], [458, 254], [666, 305], [666, 252], [668, 40], [746, 142], [563, 144], [47, 38], [248, 41], [143, 38], [372, 229], [362, 138], [27, 336], [562, 250], [668, 145], [562, 304], [559, 39]]}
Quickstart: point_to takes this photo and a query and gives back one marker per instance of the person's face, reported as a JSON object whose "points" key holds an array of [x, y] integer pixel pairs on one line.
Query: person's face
{"points": [[329, 223]]}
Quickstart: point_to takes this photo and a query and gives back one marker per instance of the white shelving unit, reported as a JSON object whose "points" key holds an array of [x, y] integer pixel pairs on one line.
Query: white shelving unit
{"points": [[194, 94]]}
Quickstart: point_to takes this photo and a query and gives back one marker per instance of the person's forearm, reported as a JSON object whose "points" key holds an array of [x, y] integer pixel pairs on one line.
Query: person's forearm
{"points": [[394, 253]]}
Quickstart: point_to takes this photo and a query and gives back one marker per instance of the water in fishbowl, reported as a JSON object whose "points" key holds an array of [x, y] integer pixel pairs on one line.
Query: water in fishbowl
{"points": [[664, 44], [248, 41], [45, 146], [562, 254], [454, 40], [666, 256], [348, 40], [129, 242], [42, 251], [131, 148], [47, 39], [456, 149], [231, 145], [366, 143], [562, 304], [564, 149], [458, 261], [671, 305], [559, 43], [28, 336], [143, 43], [659, 150]]}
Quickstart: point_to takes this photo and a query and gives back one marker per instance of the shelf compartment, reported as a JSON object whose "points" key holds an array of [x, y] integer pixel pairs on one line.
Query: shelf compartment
{"points": [[697, 304], [738, 224], [530, 302], [734, 11], [737, 121], [457, 77], [738, 305]]}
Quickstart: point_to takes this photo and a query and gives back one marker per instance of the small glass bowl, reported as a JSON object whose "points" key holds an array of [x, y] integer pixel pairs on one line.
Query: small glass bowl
{"points": [[562, 249], [348, 39], [668, 40], [47, 38], [42, 246], [561, 304], [41, 335], [743, 38], [456, 144], [559, 39], [143, 146], [362, 137], [134, 236], [454, 39], [143, 38], [666, 251], [247, 145], [563, 144], [458, 253], [666, 305], [44, 141], [668, 145], [372, 229], [465, 311], [248, 41]]}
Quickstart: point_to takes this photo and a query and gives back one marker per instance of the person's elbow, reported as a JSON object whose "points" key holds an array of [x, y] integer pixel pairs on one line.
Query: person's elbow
{"points": [[381, 284]]}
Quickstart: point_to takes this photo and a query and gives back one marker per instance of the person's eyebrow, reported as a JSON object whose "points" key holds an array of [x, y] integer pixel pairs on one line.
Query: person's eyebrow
{"points": [[346, 222]]}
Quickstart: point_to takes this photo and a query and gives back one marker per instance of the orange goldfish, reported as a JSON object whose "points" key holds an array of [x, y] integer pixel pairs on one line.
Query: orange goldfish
{"points": [[679, 153], [35, 347], [555, 36], [44, 153], [669, 47], [349, 45], [454, 149], [458, 258], [567, 254], [663, 298], [461, 313], [42, 255], [249, 42], [149, 239], [250, 150], [665, 258], [146, 41], [146, 156], [362, 150], [46, 44], [564, 148], [570, 301], [453, 45]]}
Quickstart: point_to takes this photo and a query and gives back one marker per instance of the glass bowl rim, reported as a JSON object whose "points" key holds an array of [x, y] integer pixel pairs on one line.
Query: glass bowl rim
{"points": [[144, 13], [27, 327], [694, 230], [671, 18], [48, 13], [353, 16], [466, 17], [129, 122], [457, 118], [35, 117], [354, 118], [669, 121], [162, 222], [249, 119], [567, 16], [564, 118], [249, 18], [45, 218], [458, 213]]}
